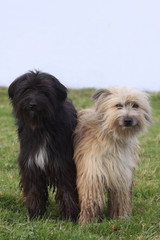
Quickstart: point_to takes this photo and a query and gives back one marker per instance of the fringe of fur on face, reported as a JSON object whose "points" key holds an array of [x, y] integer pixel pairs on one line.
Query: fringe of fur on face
{"points": [[46, 119], [106, 150]]}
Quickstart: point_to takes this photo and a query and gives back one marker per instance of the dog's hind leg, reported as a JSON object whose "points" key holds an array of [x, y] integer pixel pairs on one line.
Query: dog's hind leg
{"points": [[119, 202], [35, 193]]}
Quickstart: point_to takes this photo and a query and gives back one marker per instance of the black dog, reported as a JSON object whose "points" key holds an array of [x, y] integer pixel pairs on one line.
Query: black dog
{"points": [[46, 120]]}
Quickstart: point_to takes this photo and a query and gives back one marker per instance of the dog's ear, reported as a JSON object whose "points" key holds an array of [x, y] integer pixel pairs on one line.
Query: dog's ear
{"points": [[61, 91], [11, 90], [103, 92], [13, 87]]}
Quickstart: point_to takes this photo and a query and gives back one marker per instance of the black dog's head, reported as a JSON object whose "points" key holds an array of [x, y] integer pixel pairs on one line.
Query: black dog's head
{"points": [[36, 96]]}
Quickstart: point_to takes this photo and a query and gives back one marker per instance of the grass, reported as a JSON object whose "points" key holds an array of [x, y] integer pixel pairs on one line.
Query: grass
{"points": [[143, 223]]}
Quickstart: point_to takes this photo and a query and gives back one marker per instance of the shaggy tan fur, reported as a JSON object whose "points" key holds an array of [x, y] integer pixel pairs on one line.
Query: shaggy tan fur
{"points": [[106, 150]]}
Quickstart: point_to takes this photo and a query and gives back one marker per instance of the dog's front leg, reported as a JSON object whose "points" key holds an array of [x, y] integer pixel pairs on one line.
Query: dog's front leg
{"points": [[91, 197], [35, 193], [68, 197], [119, 202]]}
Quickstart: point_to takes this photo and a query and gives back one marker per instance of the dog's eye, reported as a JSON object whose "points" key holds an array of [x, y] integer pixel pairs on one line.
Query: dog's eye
{"points": [[119, 106], [25, 91], [135, 105]]}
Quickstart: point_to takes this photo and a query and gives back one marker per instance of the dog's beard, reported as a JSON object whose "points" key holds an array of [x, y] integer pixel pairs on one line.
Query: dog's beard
{"points": [[34, 119], [122, 131]]}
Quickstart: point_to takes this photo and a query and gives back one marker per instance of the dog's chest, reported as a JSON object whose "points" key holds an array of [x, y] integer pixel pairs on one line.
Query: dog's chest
{"points": [[40, 159], [117, 168]]}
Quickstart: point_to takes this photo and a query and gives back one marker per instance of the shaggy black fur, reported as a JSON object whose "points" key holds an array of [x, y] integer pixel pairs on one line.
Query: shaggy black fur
{"points": [[46, 120]]}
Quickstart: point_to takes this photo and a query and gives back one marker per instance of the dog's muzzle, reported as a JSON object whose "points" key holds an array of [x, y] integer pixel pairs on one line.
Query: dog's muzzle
{"points": [[33, 106], [128, 122]]}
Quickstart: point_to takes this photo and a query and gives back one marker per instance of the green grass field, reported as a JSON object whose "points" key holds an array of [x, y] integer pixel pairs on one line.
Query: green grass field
{"points": [[143, 223]]}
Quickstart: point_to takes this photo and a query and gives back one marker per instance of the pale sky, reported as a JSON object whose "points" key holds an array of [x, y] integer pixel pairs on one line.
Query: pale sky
{"points": [[84, 43]]}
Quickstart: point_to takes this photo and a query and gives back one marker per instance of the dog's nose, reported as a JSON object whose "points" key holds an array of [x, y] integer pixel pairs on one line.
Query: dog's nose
{"points": [[128, 122], [32, 105]]}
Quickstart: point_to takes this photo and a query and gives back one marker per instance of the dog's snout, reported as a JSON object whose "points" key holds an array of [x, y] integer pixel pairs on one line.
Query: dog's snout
{"points": [[33, 105], [128, 122]]}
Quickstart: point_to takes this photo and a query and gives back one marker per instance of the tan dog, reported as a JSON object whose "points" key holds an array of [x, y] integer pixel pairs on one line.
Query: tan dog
{"points": [[106, 150]]}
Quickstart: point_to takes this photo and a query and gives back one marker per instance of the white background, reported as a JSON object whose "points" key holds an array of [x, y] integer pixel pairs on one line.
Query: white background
{"points": [[84, 43]]}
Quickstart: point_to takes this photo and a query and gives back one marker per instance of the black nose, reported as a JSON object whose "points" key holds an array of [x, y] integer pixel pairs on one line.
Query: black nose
{"points": [[128, 122], [33, 105]]}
